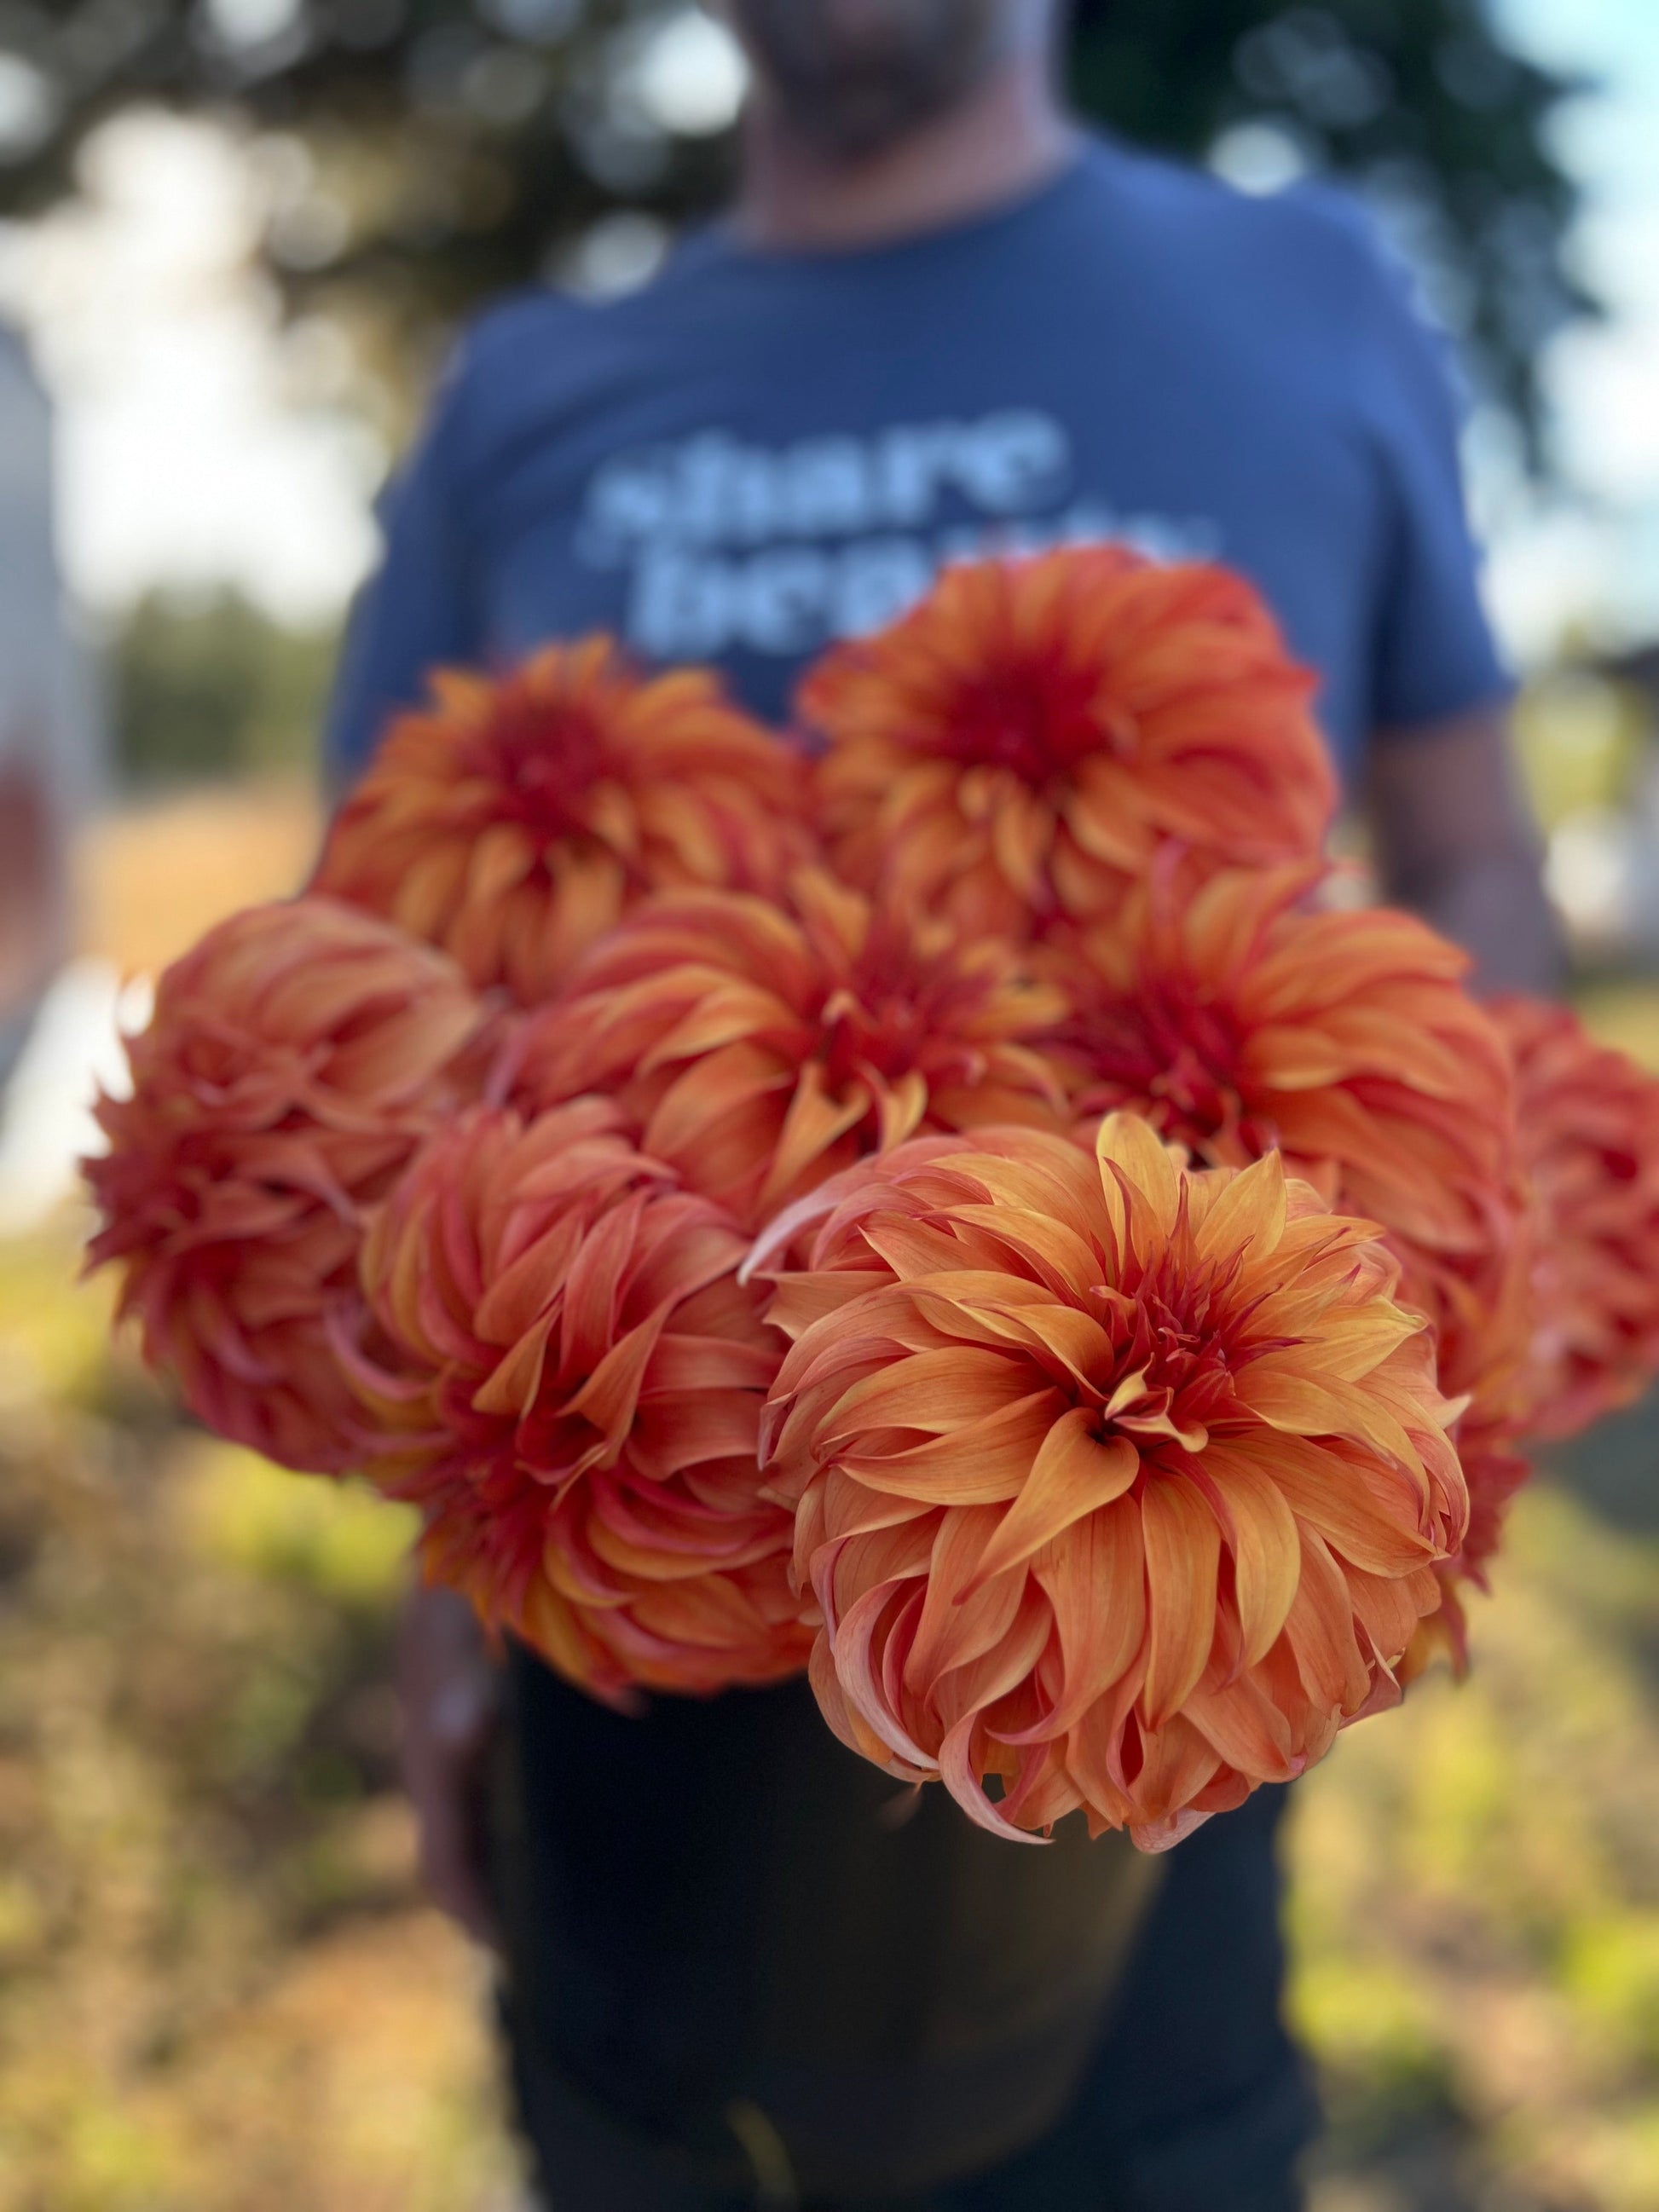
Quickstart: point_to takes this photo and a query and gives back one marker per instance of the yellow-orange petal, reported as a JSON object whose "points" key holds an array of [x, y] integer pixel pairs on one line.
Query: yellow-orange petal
{"points": [[294, 1060], [1039, 1493], [585, 1466], [1025, 742], [513, 821]]}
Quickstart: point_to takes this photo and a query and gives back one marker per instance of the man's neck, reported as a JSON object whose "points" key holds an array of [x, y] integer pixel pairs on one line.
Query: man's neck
{"points": [[1004, 141]]}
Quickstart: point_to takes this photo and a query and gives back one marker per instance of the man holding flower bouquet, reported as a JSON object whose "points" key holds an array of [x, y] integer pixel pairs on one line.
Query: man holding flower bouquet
{"points": [[941, 322]]}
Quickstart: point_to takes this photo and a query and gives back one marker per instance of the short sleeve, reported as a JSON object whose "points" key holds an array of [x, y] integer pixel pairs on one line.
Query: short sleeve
{"points": [[419, 609], [1432, 652]]}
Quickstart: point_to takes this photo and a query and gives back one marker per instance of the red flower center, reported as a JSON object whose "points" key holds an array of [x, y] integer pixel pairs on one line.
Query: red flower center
{"points": [[1168, 1378], [895, 1013], [543, 761], [1182, 1356], [1039, 721], [1178, 1062]]}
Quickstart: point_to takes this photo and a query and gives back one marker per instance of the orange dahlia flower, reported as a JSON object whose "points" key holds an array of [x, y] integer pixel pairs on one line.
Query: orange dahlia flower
{"points": [[1589, 1125], [761, 1047], [1026, 741], [1590, 1139], [1237, 1021], [295, 1059], [571, 1391], [1119, 1481], [513, 822]]}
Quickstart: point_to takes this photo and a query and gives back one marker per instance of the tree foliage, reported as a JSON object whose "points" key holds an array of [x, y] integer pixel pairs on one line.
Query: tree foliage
{"points": [[1416, 100], [427, 152], [213, 687]]}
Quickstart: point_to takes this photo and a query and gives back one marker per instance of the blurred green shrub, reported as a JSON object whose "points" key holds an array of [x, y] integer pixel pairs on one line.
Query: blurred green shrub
{"points": [[212, 686], [1386, 2064], [1610, 1968], [337, 1538], [220, 1990], [1583, 740]]}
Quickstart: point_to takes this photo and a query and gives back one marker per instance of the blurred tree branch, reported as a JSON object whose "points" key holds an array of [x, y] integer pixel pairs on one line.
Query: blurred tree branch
{"points": [[1417, 101], [425, 154]]}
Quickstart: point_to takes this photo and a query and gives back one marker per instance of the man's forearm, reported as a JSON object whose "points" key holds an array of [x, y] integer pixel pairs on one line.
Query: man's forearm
{"points": [[1493, 904], [1455, 843]]}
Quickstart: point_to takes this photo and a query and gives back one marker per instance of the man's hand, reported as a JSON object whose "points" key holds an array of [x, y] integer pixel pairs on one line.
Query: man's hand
{"points": [[450, 1694], [1455, 843]]}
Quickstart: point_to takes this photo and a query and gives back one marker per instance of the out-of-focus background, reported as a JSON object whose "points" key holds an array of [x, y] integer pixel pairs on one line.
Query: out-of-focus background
{"points": [[233, 236]]}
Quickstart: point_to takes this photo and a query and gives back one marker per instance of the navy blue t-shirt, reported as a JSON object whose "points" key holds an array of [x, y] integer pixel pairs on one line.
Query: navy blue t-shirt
{"points": [[762, 451]]}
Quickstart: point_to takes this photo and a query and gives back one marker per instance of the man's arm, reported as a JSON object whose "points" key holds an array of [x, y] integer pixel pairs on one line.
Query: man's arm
{"points": [[417, 610], [449, 1693], [1455, 843]]}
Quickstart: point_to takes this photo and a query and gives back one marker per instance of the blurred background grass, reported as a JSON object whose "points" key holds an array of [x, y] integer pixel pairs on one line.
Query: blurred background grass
{"points": [[220, 1990]]}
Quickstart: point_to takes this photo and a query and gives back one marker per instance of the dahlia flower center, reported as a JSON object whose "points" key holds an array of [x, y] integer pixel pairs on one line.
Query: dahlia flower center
{"points": [[1037, 722], [543, 765], [1170, 1377], [859, 1038], [883, 1021], [1180, 1062]]}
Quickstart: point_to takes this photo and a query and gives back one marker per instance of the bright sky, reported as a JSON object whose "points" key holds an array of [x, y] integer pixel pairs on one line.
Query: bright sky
{"points": [[182, 456], [1593, 562], [186, 458]]}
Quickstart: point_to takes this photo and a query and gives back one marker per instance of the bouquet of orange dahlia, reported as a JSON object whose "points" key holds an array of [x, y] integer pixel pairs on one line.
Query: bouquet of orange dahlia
{"points": [[956, 1213]]}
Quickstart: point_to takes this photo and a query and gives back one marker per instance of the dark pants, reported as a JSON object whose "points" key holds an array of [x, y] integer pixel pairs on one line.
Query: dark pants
{"points": [[1230, 2159], [637, 1863]]}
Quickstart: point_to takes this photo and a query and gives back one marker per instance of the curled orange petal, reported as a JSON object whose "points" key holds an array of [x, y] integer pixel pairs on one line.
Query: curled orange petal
{"points": [[1590, 1141], [514, 822], [1109, 1598], [760, 1047], [1241, 1019], [566, 1381], [1023, 744], [1588, 1129], [294, 1060]]}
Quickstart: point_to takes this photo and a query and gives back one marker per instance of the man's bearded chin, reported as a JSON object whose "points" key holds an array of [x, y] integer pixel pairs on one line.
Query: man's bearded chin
{"points": [[855, 76]]}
